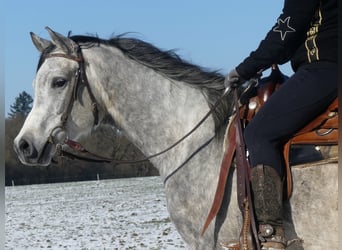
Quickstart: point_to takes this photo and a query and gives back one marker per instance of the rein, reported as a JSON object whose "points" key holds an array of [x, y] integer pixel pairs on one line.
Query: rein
{"points": [[81, 78]]}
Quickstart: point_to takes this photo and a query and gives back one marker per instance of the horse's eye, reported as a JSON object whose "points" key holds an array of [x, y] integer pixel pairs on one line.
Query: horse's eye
{"points": [[58, 83]]}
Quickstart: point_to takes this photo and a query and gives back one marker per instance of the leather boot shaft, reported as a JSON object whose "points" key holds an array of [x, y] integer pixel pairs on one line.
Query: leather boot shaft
{"points": [[267, 189]]}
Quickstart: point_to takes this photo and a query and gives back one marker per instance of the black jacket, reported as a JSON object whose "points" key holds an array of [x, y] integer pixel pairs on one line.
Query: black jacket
{"points": [[305, 33]]}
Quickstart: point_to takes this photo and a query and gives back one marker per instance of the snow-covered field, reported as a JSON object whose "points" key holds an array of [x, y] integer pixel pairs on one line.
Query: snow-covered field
{"points": [[107, 214]]}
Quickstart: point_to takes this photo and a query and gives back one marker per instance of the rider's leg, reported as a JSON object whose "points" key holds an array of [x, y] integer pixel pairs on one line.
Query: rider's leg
{"points": [[305, 95], [267, 188]]}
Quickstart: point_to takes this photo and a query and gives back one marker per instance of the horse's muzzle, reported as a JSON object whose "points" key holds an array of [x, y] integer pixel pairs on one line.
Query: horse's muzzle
{"points": [[30, 155], [26, 149]]}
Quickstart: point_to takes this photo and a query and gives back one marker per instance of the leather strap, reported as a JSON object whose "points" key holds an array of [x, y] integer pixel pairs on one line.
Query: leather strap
{"points": [[78, 59], [243, 186], [224, 171], [235, 137]]}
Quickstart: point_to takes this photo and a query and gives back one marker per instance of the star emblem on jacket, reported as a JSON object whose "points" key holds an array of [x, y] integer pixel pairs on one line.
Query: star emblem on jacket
{"points": [[283, 27]]}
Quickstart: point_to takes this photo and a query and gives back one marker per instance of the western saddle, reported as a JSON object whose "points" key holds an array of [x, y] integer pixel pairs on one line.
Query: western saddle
{"points": [[323, 130]]}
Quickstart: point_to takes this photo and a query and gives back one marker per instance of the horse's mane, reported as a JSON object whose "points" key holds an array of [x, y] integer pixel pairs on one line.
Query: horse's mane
{"points": [[171, 66]]}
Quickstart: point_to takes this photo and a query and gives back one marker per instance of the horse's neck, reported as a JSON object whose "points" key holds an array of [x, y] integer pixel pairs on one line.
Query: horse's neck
{"points": [[153, 110]]}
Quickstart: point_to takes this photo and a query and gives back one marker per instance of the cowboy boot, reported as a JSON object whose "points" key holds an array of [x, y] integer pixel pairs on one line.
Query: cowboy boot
{"points": [[267, 188]]}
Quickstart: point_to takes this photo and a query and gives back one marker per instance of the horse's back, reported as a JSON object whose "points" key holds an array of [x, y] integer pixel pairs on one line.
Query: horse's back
{"points": [[312, 211]]}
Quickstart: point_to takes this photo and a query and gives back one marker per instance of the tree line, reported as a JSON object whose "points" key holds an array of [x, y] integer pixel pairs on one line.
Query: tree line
{"points": [[65, 169]]}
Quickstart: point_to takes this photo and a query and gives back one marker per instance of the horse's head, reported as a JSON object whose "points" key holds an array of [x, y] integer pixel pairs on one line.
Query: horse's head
{"points": [[59, 94]]}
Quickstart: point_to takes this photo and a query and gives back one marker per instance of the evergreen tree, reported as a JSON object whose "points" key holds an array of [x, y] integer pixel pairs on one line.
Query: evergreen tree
{"points": [[22, 105]]}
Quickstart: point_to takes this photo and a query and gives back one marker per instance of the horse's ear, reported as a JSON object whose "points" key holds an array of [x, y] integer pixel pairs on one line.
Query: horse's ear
{"points": [[40, 43], [66, 44]]}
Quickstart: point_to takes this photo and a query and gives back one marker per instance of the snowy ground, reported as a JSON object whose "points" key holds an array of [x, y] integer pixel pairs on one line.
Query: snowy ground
{"points": [[109, 214]]}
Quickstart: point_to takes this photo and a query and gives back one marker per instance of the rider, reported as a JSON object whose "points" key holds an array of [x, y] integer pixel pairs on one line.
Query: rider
{"points": [[306, 34]]}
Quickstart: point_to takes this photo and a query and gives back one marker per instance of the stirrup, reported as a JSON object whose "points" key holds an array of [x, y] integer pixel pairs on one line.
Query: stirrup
{"points": [[232, 245], [272, 237], [272, 246]]}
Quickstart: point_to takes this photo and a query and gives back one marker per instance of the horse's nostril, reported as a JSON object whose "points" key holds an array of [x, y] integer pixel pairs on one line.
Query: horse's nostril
{"points": [[23, 145], [27, 149]]}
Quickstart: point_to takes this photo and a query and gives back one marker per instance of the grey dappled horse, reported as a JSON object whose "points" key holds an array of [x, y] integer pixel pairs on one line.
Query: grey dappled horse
{"points": [[156, 98]]}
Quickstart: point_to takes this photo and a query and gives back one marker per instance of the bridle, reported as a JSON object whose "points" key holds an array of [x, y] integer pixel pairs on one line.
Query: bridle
{"points": [[80, 78], [83, 154]]}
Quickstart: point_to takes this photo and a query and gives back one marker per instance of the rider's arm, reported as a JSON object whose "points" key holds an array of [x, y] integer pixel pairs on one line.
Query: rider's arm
{"points": [[283, 39]]}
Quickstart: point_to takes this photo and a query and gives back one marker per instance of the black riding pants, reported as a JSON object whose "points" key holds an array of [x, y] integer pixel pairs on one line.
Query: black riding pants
{"points": [[300, 99]]}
